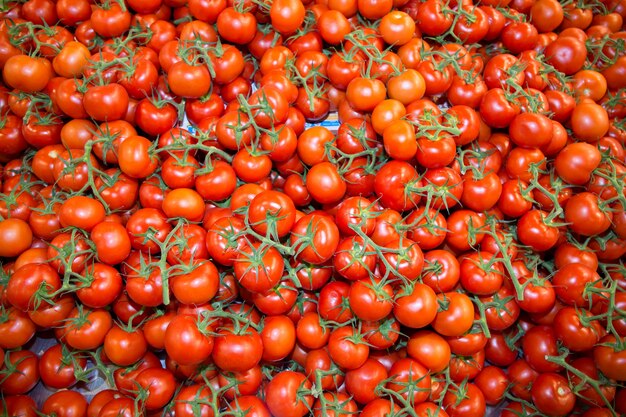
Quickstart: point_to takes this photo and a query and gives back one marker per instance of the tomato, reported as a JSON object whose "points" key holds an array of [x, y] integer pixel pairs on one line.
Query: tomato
{"points": [[184, 203], [185, 342], [334, 405], [259, 268], [315, 238], [310, 333], [429, 409], [493, 382], [26, 73], [610, 358], [455, 315], [287, 15], [333, 26], [572, 283], [102, 285], [571, 329], [394, 185], [364, 94], [58, 367], [566, 54], [534, 232], [399, 140], [16, 328], [583, 213], [546, 15], [111, 241], [190, 81], [13, 141], [20, 372], [65, 404], [106, 102], [279, 337], [552, 395], [409, 371], [86, 329], [430, 349], [497, 111], [155, 118], [124, 347], [466, 400], [464, 230], [188, 402], [397, 28], [586, 367], [282, 395], [52, 316], [123, 406], [271, 213], [361, 383], [385, 113], [432, 19], [416, 306], [218, 183], [71, 60], [111, 21], [135, 158], [271, 99], [479, 274], [442, 270], [82, 212], [538, 343], [371, 300], [530, 130], [150, 221], [17, 236], [227, 342], [29, 284], [160, 386], [20, 405], [354, 259], [325, 184], [345, 348]]}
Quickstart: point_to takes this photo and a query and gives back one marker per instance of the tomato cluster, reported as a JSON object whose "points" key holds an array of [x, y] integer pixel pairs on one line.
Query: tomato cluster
{"points": [[181, 216]]}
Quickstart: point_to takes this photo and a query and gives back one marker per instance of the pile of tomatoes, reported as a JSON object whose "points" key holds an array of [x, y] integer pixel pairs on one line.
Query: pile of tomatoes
{"points": [[180, 215]]}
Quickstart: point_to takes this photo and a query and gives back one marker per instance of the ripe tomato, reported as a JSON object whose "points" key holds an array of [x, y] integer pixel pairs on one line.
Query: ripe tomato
{"points": [[364, 94], [16, 235], [282, 395], [346, 349], [287, 15], [16, 328], [29, 284], [189, 402], [26, 73], [590, 122], [20, 372], [86, 329], [361, 383], [58, 367], [189, 81], [315, 238], [135, 158], [455, 316], [430, 349], [65, 404], [466, 400], [609, 358], [552, 395], [185, 342], [227, 342], [325, 184]]}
